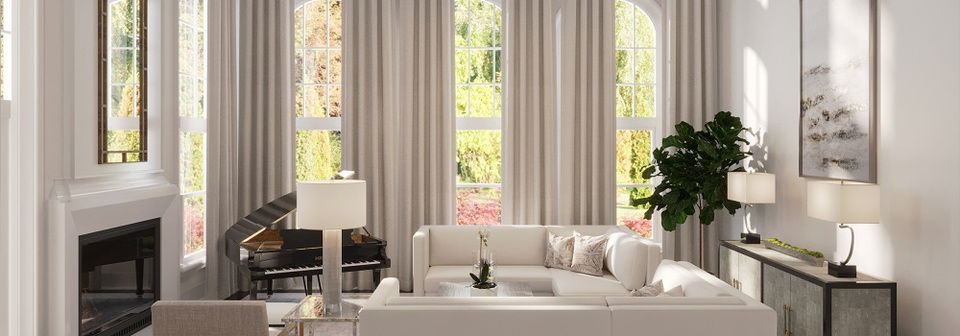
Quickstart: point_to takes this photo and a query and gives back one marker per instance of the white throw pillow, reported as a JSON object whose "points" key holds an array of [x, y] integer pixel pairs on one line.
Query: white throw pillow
{"points": [[675, 291], [588, 252], [559, 251]]}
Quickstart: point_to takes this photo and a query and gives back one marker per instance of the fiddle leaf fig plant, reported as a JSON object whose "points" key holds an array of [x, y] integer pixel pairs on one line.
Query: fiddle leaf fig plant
{"points": [[693, 166]]}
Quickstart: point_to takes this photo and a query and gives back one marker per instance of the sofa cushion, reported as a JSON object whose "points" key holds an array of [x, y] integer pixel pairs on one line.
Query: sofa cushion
{"points": [[538, 277], [496, 301], [586, 230], [567, 283], [673, 274], [510, 245]]}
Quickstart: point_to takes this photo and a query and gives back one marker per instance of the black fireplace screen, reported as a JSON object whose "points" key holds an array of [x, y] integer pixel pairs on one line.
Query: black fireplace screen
{"points": [[119, 278]]}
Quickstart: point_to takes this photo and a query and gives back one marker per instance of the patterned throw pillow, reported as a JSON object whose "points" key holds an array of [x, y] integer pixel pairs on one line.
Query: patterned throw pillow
{"points": [[588, 254], [654, 289], [559, 251]]}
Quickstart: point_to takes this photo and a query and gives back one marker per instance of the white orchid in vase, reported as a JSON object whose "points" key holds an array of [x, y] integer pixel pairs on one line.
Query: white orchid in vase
{"points": [[483, 279]]}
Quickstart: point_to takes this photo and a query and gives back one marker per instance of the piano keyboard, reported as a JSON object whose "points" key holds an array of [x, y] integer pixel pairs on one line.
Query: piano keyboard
{"points": [[307, 268]]}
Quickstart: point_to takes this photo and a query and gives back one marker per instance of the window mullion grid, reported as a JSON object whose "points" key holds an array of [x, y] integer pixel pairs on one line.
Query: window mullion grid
{"points": [[633, 62], [326, 59], [303, 59], [469, 68]]}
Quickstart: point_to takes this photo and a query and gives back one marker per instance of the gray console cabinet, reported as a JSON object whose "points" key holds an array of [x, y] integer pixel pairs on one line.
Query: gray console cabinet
{"points": [[741, 272], [807, 300]]}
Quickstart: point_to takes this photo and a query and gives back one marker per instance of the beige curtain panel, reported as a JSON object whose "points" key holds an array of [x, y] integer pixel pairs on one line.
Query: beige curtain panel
{"points": [[530, 120], [691, 97], [587, 151], [222, 180], [370, 136], [266, 117]]}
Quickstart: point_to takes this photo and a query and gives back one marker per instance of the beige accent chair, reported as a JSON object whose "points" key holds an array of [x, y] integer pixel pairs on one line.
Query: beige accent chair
{"points": [[211, 318]]}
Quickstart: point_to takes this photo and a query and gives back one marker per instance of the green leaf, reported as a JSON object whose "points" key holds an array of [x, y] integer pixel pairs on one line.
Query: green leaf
{"points": [[649, 172], [684, 129]]}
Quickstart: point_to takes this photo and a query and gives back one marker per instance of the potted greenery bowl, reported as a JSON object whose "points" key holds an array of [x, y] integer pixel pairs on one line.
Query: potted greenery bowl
{"points": [[813, 258]]}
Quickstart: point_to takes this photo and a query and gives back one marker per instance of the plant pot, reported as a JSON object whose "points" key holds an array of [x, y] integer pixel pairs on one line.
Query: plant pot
{"points": [[474, 292]]}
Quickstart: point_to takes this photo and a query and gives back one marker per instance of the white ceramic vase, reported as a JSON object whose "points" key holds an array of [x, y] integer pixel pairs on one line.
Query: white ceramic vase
{"points": [[474, 292]]}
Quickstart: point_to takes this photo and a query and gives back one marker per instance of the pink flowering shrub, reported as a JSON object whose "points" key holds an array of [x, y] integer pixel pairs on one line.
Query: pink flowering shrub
{"points": [[640, 225], [477, 207], [193, 224]]}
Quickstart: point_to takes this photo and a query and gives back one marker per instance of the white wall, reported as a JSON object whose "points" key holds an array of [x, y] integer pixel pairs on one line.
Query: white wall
{"points": [[917, 243], [67, 42]]}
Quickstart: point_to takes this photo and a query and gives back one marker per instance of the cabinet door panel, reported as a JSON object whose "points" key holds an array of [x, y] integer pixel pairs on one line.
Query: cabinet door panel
{"points": [[806, 305], [861, 311], [727, 262], [749, 276], [776, 293]]}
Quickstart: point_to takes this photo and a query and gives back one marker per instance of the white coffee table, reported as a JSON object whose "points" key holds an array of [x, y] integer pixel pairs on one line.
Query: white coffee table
{"points": [[504, 288]]}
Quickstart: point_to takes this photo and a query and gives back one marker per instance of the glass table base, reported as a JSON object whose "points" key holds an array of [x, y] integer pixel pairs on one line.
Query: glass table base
{"points": [[307, 319]]}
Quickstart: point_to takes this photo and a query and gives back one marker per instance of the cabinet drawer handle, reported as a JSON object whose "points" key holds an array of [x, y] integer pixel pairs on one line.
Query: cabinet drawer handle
{"points": [[786, 321]]}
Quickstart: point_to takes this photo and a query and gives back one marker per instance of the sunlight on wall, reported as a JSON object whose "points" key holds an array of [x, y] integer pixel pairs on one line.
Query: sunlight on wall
{"points": [[756, 111], [764, 3]]}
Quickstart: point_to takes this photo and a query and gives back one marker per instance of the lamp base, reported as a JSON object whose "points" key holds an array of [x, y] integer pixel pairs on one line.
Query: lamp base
{"points": [[841, 271], [331, 277], [750, 238]]}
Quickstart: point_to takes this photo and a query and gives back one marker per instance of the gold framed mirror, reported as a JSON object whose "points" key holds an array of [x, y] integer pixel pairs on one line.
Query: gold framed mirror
{"points": [[122, 84]]}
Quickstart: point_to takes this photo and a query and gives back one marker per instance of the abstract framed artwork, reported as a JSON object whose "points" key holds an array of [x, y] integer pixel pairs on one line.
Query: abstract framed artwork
{"points": [[838, 119]]}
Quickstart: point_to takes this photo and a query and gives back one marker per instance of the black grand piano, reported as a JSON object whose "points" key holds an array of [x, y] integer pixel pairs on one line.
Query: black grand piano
{"points": [[263, 252]]}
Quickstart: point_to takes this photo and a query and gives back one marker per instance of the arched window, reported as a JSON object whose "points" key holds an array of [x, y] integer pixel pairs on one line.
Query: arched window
{"points": [[477, 32], [193, 125], [317, 45], [637, 107]]}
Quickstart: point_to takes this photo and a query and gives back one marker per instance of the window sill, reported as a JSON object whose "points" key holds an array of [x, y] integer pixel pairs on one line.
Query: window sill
{"points": [[194, 261]]}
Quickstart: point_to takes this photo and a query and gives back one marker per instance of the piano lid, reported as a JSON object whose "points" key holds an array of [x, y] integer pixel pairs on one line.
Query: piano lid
{"points": [[266, 217], [275, 211]]}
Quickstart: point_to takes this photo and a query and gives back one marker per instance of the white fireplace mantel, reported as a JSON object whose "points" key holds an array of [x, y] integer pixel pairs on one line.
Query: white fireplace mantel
{"points": [[81, 206]]}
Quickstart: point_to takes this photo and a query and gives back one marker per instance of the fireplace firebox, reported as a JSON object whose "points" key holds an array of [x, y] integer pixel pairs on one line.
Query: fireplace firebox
{"points": [[119, 278]]}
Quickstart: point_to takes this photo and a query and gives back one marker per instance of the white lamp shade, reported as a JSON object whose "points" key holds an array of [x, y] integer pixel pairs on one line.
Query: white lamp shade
{"points": [[847, 202], [332, 204], [752, 188]]}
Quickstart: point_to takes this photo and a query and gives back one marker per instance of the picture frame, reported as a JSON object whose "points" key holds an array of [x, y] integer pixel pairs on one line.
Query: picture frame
{"points": [[838, 90]]}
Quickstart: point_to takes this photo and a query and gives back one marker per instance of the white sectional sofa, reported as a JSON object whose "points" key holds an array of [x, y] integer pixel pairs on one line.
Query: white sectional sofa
{"points": [[446, 254], [708, 307]]}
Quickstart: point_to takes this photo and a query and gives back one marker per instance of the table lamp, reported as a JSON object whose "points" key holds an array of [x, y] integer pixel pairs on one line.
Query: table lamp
{"points": [[751, 188], [331, 206], [843, 203]]}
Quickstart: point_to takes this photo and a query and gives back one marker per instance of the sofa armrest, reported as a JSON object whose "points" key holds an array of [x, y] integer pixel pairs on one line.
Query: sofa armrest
{"points": [[389, 288], [421, 258]]}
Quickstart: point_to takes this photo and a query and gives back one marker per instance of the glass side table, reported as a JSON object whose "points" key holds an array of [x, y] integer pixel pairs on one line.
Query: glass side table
{"points": [[307, 319]]}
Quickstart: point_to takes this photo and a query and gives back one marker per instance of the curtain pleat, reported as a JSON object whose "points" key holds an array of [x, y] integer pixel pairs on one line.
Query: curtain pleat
{"points": [[530, 167], [587, 115], [692, 97], [222, 141], [369, 124]]}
